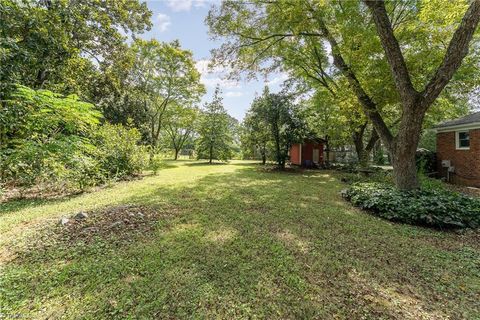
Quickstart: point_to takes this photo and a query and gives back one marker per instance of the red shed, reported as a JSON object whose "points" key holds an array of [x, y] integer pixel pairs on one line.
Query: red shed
{"points": [[308, 153]]}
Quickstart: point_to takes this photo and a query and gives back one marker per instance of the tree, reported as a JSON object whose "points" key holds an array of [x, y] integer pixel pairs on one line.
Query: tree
{"points": [[326, 118], [180, 126], [215, 138], [255, 135], [164, 75], [279, 123], [269, 36], [43, 42], [415, 103]]}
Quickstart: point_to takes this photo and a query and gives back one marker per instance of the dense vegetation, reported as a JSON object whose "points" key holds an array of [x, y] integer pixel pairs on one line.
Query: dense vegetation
{"points": [[272, 124], [428, 207], [85, 101], [82, 105]]}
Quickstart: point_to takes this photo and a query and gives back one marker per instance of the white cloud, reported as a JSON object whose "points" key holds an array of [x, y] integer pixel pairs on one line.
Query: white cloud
{"points": [[203, 66], [212, 81], [281, 77], [213, 76], [233, 94], [185, 5], [162, 21]]}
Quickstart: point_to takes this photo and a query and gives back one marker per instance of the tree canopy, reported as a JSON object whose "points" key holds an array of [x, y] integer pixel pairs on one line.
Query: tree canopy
{"points": [[392, 57], [215, 135]]}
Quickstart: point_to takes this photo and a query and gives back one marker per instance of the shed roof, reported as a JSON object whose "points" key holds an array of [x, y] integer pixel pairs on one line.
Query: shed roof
{"points": [[469, 119], [313, 139]]}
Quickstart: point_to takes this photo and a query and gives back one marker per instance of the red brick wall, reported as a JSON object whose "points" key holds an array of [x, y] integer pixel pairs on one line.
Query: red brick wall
{"points": [[466, 162]]}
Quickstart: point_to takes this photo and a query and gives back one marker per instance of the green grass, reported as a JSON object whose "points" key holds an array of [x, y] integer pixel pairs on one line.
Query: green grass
{"points": [[234, 241]]}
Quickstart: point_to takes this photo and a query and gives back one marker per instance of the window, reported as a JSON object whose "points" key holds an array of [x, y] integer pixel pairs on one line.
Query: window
{"points": [[463, 140]]}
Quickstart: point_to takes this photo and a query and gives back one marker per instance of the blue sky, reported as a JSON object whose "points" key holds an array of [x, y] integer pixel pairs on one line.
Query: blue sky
{"points": [[184, 20]]}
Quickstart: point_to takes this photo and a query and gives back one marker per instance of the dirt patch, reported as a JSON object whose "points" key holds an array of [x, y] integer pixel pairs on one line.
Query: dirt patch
{"points": [[396, 303], [114, 225], [121, 222]]}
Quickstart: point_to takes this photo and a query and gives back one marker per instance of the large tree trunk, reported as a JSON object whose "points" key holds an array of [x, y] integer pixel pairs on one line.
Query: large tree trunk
{"points": [[176, 154], [357, 137], [404, 148], [415, 104]]}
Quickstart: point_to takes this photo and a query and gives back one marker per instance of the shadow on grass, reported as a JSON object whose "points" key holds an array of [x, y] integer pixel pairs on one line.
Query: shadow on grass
{"points": [[17, 204], [20, 204], [249, 244]]}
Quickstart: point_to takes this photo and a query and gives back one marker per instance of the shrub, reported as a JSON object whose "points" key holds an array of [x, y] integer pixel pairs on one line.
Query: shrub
{"points": [[155, 163], [118, 151], [426, 161], [427, 207], [55, 142], [382, 176]]}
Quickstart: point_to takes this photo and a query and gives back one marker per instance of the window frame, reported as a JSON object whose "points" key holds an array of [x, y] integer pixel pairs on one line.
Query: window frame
{"points": [[457, 140]]}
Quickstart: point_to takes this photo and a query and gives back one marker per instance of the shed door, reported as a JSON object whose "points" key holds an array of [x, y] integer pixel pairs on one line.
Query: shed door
{"points": [[316, 155]]}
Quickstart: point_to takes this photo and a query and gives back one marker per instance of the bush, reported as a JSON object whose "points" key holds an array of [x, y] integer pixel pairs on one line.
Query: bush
{"points": [[53, 142], [426, 161], [427, 207], [382, 176], [118, 151]]}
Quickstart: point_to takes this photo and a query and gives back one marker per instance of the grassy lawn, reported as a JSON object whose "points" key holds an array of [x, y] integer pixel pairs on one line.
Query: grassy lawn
{"points": [[229, 241]]}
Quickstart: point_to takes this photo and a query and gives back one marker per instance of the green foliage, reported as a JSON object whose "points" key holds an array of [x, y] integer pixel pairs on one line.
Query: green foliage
{"points": [[428, 140], [429, 207], [163, 76], [50, 44], [426, 161], [118, 151], [45, 138], [273, 122], [215, 134], [351, 175], [56, 142], [180, 126]]}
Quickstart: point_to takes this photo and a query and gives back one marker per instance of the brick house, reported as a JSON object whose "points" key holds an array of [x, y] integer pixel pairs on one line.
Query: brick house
{"points": [[458, 150]]}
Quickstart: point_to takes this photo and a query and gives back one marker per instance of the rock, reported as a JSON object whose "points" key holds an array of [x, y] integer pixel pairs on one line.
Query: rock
{"points": [[344, 193], [63, 221], [141, 215], [90, 230], [115, 224], [81, 215]]}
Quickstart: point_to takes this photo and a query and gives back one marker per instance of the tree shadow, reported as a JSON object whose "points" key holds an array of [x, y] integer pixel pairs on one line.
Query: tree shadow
{"points": [[248, 244]]}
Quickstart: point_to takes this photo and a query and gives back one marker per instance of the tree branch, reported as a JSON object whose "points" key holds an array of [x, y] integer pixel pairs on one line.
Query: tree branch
{"points": [[457, 50], [392, 50], [369, 107]]}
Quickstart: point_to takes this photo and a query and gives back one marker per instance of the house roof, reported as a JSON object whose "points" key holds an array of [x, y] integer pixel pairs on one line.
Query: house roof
{"points": [[313, 138], [471, 119]]}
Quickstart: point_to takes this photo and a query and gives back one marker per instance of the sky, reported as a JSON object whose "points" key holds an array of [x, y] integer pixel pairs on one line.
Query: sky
{"points": [[184, 20]]}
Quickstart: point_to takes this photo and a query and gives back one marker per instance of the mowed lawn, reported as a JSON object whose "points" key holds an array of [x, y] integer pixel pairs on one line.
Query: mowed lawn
{"points": [[229, 241]]}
